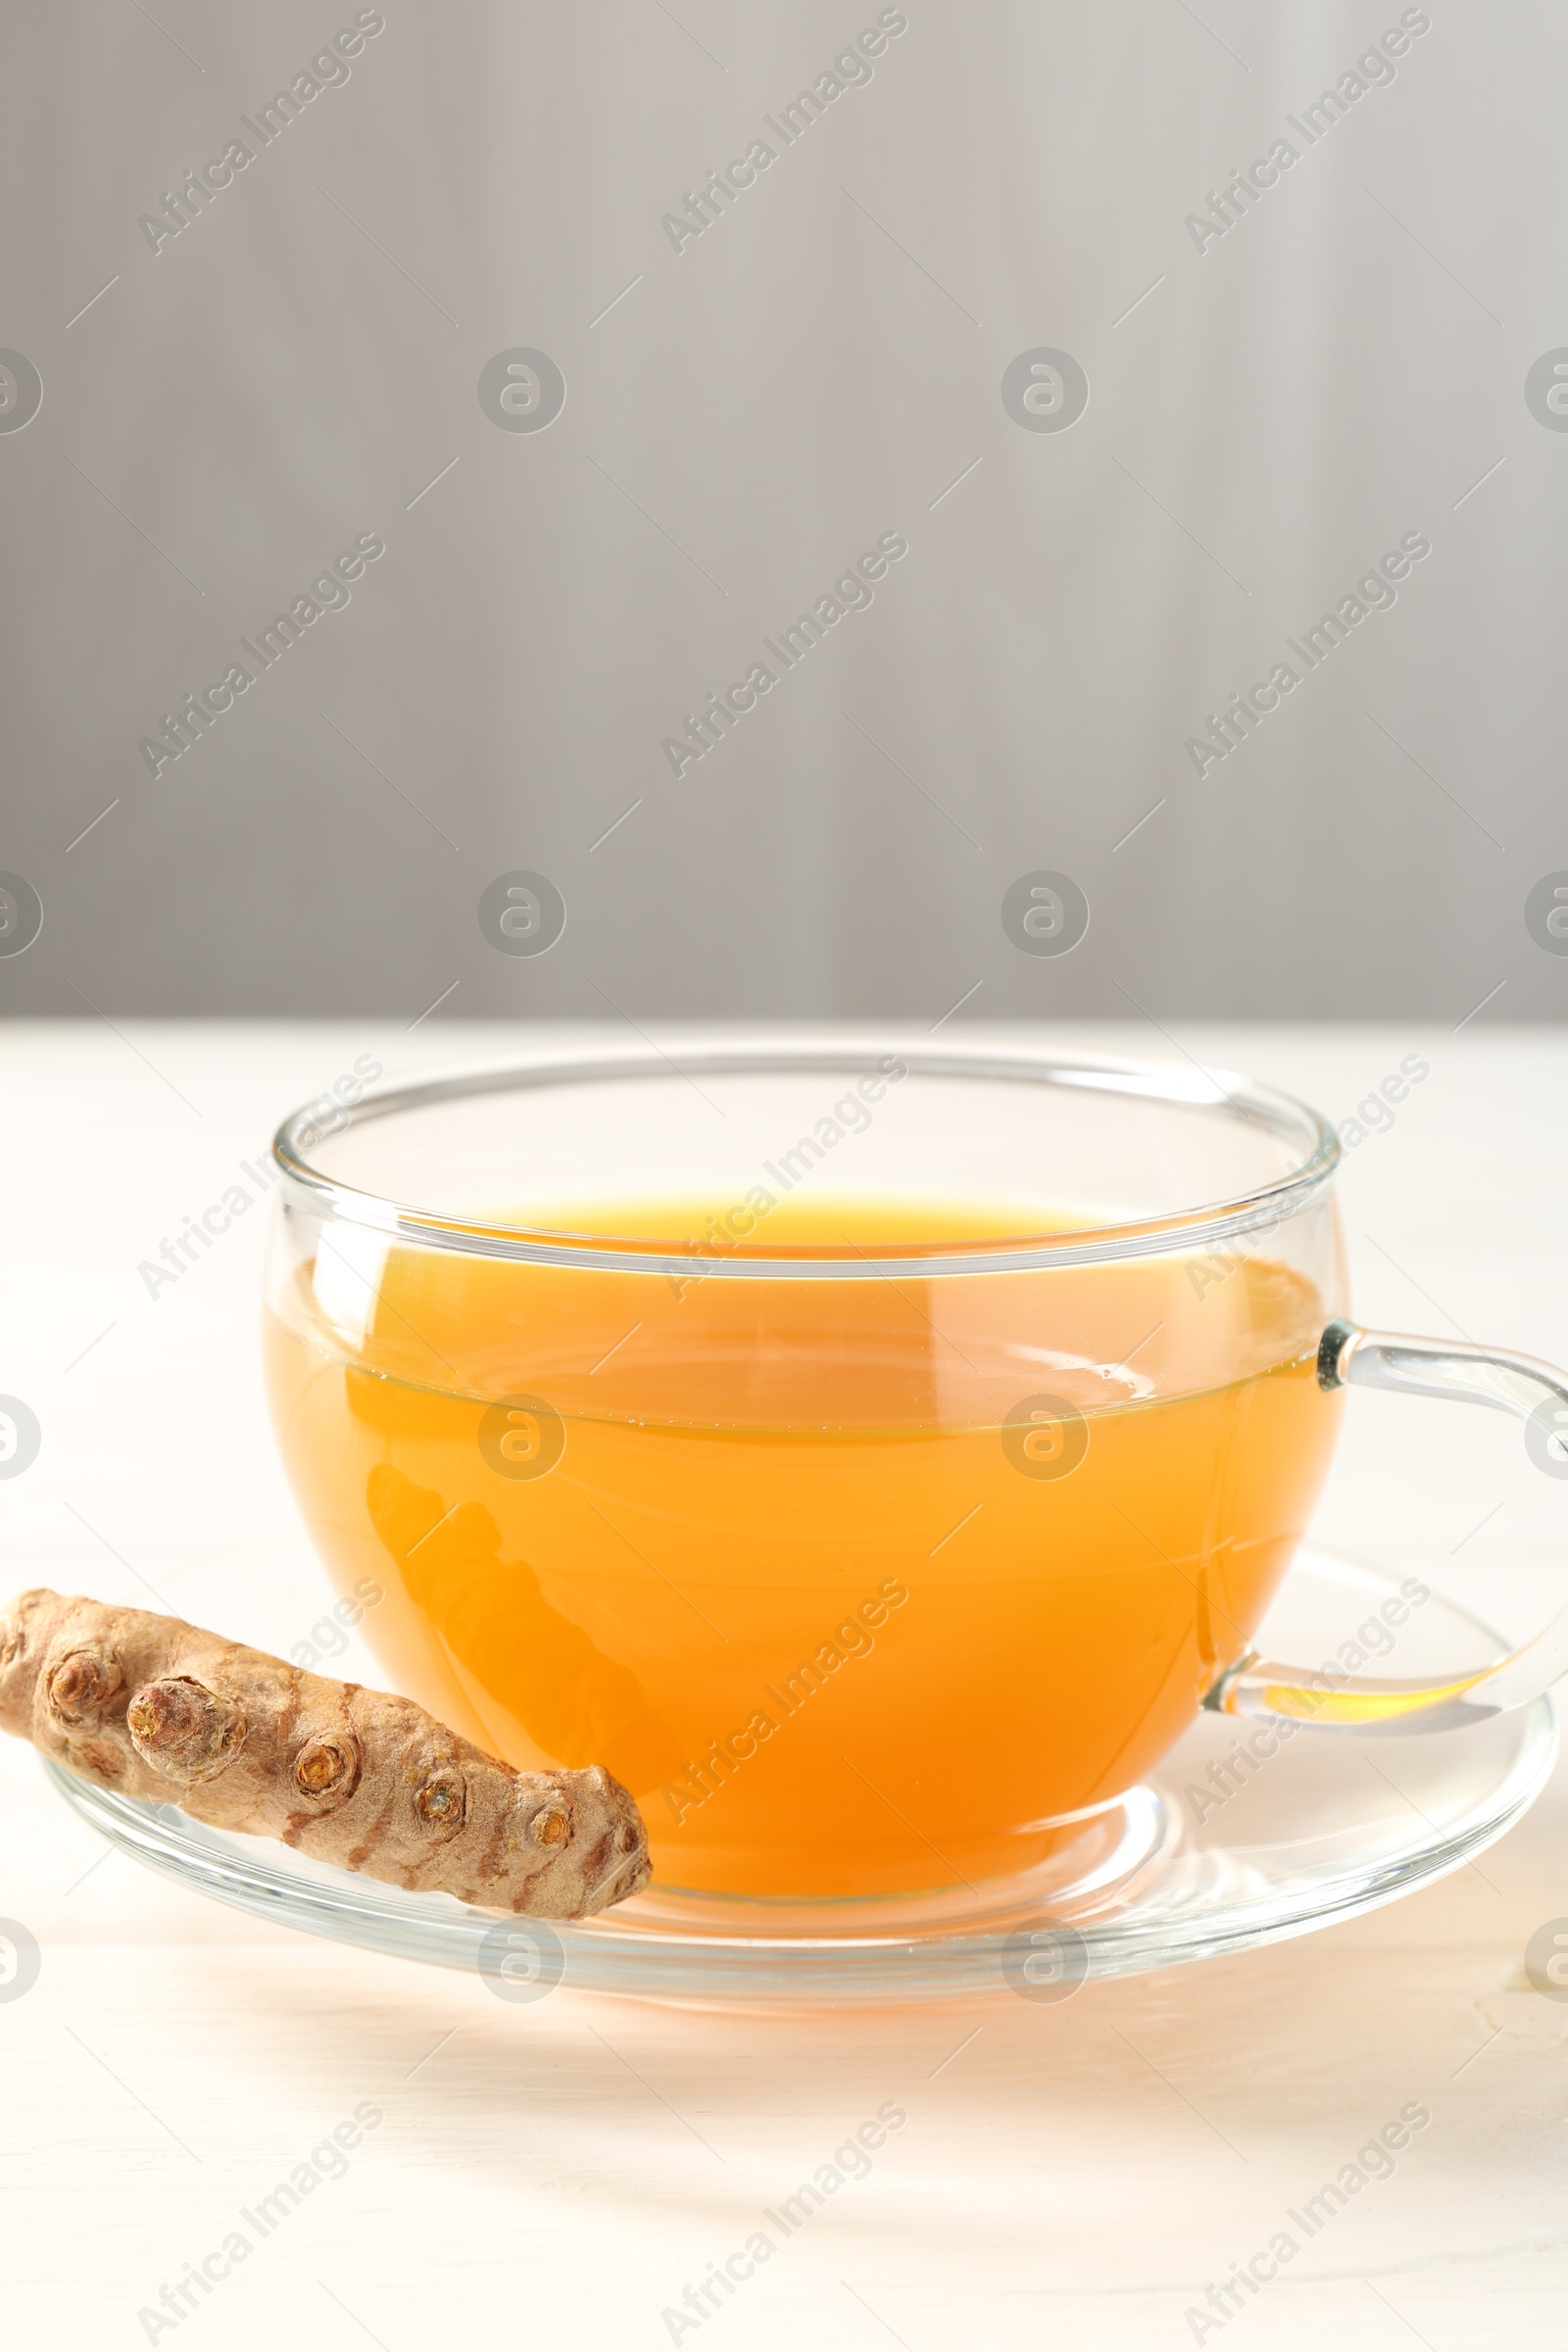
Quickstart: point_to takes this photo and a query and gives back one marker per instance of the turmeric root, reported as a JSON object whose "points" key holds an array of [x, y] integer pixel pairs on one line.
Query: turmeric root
{"points": [[154, 1708]]}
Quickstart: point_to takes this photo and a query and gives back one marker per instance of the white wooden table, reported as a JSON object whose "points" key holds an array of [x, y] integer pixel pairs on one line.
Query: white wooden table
{"points": [[562, 2174]]}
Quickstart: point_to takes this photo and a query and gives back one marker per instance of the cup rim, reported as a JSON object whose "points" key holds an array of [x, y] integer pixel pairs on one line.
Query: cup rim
{"points": [[1261, 1209]]}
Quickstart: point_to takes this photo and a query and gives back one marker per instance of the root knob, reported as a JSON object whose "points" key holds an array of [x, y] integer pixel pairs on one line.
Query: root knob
{"points": [[441, 1801], [81, 1686], [183, 1729], [327, 1770]]}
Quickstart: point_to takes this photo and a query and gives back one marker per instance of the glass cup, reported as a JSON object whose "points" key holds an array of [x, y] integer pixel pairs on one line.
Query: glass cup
{"points": [[873, 1458]]}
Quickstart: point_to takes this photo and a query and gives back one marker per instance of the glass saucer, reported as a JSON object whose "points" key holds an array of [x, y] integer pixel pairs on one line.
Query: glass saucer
{"points": [[1224, 1847]]}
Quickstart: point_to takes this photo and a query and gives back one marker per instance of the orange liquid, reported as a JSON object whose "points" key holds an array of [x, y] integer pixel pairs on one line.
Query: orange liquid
{"points": [[794, 1578]]}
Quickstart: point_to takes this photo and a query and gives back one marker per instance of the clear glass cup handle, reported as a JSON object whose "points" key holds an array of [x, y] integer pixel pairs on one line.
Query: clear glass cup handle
{"points": [[1350, 1357]]}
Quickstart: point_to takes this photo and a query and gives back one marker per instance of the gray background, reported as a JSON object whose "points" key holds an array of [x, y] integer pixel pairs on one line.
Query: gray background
{"points": [[816, 370]]}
